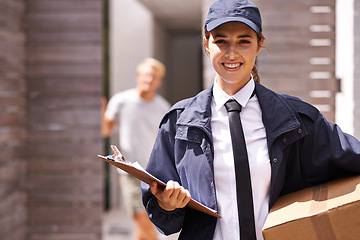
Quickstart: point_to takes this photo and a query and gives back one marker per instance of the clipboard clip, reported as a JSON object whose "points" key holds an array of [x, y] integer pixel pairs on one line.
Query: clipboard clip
{"points": [[117, 156]]}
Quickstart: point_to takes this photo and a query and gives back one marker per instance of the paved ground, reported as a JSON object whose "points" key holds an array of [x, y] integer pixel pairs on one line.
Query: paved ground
{"points": [[118, 226]]}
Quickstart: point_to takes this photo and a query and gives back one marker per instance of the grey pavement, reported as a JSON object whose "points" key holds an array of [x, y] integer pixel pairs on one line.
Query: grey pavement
{"points": [[117, 222], [117, 225]]}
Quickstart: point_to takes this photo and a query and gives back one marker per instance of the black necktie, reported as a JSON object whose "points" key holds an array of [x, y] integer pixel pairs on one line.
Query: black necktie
{"points": [[242, 173]]}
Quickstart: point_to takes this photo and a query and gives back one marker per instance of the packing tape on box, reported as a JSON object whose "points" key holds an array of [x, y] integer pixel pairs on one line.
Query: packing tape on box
{"points": [[321, 221]]}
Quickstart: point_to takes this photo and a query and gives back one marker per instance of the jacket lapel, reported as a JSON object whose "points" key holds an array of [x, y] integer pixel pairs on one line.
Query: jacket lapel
{"points": [[278, 118]]}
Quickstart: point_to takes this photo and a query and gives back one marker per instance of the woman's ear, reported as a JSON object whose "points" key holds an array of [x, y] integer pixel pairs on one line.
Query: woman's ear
{"points": [[261, 43], [206, 46]]}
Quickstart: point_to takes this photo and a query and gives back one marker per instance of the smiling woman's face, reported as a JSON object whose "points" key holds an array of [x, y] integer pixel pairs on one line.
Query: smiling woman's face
{"points": [[232, 48]]}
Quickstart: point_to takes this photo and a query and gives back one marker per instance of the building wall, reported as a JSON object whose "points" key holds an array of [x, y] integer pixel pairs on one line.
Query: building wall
{"points": [[184, 65], [298, 57], [131, 40], [64, 62], [13, 198], [345, 64]]}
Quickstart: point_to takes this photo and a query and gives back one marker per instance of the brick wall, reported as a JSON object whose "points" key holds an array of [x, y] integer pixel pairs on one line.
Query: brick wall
{"points": [[64, 86], [13, 214]]}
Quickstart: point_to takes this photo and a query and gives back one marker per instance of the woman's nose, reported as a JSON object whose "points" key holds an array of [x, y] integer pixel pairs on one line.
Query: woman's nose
{"points": [[232, 53]]}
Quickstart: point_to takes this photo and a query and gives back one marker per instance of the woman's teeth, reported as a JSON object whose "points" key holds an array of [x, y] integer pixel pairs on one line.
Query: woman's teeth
{"points": [[231, 65]]}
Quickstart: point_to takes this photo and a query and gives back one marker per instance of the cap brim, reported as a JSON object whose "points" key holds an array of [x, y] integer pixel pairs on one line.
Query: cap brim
{"points": [[214, 24]]}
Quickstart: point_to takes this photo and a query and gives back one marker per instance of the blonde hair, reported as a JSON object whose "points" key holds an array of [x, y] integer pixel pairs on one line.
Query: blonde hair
{"points": [[260, 38], [159, 66]]}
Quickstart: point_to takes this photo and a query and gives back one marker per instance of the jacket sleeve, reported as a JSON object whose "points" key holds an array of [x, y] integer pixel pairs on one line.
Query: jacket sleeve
{"points": [[161, 165], [323, 152], [327, 153], [337, 151]]}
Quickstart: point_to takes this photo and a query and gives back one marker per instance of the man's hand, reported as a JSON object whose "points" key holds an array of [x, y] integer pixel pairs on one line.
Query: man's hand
{"points": [[172, 197]]}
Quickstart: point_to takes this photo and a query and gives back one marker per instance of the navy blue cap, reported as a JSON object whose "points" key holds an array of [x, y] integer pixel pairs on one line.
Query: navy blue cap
{"points": [[223, 11]]}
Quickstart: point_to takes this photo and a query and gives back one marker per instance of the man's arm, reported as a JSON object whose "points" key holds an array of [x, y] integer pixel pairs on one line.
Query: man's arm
{"points": [[107, 124]]}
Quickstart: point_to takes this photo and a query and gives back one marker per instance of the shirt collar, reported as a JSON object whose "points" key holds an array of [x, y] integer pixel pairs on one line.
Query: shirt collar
{"points": [[242, 96]]}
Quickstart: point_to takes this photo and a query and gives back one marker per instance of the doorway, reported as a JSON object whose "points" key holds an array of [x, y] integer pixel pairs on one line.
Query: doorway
{"points": [[184, 65]]}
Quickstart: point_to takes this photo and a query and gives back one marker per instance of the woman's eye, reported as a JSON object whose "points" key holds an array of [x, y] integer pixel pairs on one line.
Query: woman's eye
{"points": [[244, 41], [219, 41]]}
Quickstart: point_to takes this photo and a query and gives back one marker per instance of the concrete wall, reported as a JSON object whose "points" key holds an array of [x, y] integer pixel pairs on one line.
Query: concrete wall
{"points": [[345, 64], [160, 39], [131, 40]]}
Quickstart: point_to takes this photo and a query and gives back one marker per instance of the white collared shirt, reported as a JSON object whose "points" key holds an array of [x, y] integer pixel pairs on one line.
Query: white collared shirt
{"points": [[227, 227]]}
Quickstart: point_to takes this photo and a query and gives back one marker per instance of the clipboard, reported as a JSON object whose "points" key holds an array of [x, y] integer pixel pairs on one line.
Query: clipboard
{"points": [[137, 171]]}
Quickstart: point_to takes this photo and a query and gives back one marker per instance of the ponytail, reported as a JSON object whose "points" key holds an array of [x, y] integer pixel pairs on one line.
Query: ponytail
{"points": [[255, 74]]}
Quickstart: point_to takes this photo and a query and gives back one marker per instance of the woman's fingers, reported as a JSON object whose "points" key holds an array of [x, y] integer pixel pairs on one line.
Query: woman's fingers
{"points": [[184, 199], [172, 197], [155, 189]]}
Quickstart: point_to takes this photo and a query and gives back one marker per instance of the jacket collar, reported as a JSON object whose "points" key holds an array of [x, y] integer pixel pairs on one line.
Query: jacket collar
{"points": [[278, 117], [198, 112]]}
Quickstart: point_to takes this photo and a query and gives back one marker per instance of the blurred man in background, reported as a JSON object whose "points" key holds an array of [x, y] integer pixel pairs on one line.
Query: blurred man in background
{"points": [[138, 112]]}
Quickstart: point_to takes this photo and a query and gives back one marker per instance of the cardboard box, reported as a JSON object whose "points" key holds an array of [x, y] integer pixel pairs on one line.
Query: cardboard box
{"points": [[325, 212]]}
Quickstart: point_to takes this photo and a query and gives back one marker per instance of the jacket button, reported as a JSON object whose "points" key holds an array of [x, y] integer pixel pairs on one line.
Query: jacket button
{"points": [[212, 184], [196, 136], [300, 131], [275, 160], [285, 140]]}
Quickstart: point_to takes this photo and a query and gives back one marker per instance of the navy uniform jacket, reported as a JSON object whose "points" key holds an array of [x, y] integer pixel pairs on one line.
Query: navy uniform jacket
{"points": [[304, 149]]}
